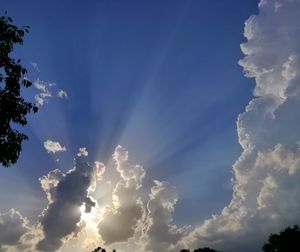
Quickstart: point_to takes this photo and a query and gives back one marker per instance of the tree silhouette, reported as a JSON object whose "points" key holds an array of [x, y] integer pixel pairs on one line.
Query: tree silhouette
{"points": [[13, 107], [286, 240], [199, 250], [99, 249], [205, 250]]}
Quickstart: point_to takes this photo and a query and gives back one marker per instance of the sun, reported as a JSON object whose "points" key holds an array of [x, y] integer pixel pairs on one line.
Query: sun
{"points": [[92, 218]]}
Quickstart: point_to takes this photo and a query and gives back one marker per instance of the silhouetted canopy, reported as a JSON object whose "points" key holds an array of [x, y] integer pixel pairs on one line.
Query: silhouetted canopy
{"points": [[13, 107]]}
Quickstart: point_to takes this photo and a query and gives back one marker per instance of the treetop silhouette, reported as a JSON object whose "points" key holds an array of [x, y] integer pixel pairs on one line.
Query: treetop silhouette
{"points": [[13, 107]]}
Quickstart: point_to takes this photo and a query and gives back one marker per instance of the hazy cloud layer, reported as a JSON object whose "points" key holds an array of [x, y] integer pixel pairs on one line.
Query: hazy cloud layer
{"points": [[53, 146], [265, 188]]}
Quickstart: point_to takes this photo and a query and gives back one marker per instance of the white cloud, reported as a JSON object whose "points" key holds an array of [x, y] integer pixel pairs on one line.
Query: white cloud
{"points": [[265, 184], [82, 152], [44, 92], [62, 94], [265, 180], [53, 147]]}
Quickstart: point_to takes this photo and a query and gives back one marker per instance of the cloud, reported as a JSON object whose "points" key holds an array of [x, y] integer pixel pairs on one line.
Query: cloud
{"points": [[13, 226], [122, 217], [53, 147], [44, 92], [35, 66], [62, 94], [15, 232], [265, 188], [160, 233], [66, 193], [265, 179], [82, 152]]}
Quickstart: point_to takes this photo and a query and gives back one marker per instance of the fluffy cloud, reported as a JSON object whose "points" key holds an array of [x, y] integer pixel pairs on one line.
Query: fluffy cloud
{"points": [[13, 226], [15, 232], [52, 146], [62, 94], [121, 218], [265, 188], [82, 152], [265, 180], [160, 234], [66, 194], [44, 92]]}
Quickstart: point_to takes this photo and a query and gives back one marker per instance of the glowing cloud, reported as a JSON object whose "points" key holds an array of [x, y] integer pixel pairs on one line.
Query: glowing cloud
{"points": [[15, 234], [160, 233], [66, 193], [121, 218], [265, 188]]}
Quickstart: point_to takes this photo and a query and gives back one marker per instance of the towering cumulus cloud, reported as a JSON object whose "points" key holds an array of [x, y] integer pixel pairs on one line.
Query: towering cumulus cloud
{"points": [[267, 174], [160, 234], [121, 218], [66, 193]]}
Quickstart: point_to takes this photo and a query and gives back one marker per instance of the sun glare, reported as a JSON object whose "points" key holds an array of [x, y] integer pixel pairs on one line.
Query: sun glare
{"points": [[90, 219]]}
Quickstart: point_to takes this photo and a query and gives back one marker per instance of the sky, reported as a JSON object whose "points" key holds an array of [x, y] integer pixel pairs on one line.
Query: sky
{"points": [[162, 125]]}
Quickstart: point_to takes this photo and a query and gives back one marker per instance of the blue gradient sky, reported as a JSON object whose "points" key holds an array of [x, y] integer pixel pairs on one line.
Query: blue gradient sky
{"points": [[158, 77]]}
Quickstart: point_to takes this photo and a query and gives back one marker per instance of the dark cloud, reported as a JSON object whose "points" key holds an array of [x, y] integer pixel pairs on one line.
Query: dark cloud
{"points": [[67, 193], [14, 231]]}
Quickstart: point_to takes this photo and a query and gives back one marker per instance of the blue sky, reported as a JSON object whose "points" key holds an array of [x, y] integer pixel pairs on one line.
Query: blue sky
{"points": [[160, 78]]}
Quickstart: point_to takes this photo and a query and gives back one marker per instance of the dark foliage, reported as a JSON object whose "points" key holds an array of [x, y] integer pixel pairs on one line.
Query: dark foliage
{"points": [[205, 250], [13, 107], [286, 240], [99, 249], [200, 250]]}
